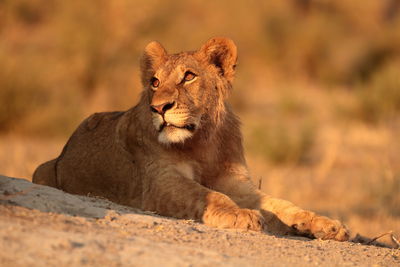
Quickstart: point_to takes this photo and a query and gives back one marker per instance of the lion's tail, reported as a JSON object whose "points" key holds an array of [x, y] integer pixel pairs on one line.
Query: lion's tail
{"points": [[45, 174]]}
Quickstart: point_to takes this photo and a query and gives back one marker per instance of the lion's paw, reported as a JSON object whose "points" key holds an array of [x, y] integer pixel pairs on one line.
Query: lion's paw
{"points": [[325, 228], [248, 219], [321, 227], [237, 219]]}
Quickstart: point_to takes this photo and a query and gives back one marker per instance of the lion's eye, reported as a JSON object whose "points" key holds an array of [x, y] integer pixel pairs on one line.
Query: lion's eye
{"points": [[155, 82], [189, 76]]}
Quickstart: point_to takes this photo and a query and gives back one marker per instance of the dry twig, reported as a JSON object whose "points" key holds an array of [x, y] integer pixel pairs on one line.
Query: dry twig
{"points": [[392, 237]]}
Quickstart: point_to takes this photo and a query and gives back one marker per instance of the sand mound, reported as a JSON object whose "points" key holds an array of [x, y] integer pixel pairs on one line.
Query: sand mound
{"points": [[40, 225]]}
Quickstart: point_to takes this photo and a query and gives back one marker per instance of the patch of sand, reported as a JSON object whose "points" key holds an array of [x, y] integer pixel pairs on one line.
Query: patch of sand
{"points": [[43, 226]]}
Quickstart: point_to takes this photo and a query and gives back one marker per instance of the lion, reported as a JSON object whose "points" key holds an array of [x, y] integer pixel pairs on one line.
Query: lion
{"points": [[179, 151]]}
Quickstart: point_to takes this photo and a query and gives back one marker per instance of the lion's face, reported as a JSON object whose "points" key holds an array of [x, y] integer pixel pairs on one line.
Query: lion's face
{"points": [[177, 99], [186, 90]]}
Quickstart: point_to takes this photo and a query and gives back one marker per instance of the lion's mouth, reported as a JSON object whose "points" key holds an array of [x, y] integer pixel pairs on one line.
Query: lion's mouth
{"points": [[190, 127]]}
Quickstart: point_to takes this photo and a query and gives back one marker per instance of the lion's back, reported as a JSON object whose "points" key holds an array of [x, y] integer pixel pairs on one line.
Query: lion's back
{"points": [[93, 162]]}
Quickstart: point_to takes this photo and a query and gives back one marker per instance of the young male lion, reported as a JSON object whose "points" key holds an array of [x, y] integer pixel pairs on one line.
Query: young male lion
{"points": [[179, 152]]}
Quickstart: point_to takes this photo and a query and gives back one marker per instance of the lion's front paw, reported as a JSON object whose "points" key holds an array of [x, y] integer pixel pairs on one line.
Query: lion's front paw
{"points": [[321, 227], [325, 228], [236, 218], [247, 219]]}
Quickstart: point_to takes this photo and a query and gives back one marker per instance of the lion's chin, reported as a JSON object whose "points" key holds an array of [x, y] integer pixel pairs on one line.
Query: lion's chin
{"points": [[172, 135]]}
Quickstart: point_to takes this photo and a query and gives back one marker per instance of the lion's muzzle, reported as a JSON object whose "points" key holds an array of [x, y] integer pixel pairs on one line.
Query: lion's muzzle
{"points": [[162, 108]]}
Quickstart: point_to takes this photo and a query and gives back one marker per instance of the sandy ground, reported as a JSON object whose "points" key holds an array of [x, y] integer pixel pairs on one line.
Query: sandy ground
{"points": [[43, 226]]}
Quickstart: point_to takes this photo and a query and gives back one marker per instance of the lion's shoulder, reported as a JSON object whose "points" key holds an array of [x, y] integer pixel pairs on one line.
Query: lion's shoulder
{"points": [[93, 121]]}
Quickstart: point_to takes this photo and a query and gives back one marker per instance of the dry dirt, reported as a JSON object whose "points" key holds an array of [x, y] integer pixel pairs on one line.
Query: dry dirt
{"points": [[43, 226]]}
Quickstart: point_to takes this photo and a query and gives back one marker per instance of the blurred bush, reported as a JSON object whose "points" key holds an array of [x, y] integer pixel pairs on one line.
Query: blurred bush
{"points": [[21, 92], [381, 196], [279, 143], [379, 99]]}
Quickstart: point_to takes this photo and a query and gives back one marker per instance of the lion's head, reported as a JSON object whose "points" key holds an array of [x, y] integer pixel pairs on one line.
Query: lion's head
{"points": [[185, 92]]}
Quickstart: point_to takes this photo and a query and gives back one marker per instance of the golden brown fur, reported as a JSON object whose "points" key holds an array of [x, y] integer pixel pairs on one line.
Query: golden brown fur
{"points": [[179, 151]]}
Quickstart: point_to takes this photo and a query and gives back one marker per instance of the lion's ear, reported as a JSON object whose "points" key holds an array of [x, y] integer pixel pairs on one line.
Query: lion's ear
{"points": [[153, 57], [222, 53]]}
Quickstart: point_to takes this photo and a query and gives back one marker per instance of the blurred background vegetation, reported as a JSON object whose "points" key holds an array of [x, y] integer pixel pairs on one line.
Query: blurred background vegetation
{"points": [[318, 87]]}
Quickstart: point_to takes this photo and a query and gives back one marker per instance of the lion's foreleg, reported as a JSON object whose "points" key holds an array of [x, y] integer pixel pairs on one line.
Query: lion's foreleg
{"points": [[180, 197], [281, 216], [303, 221], [243, 192]]}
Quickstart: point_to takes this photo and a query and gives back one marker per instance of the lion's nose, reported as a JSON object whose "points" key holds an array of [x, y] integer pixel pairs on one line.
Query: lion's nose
{"points": [[161, 109]]}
